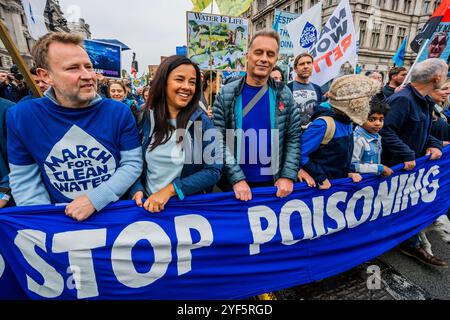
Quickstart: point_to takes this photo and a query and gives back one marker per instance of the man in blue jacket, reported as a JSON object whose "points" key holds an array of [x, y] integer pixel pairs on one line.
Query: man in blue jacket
{"points": [[71, 146], [265, 146], [406, 133]]}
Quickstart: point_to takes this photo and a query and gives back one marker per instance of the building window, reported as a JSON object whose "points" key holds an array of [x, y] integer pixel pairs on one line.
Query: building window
{"points": [[365, 4], [407, 6], [362, 32], [375, 35], [381, 3], [389, 35], [314, 2], [330, 2], [436, 4], [426, 7], [394, 5], [261, 4], [401, 35], [260, 25], [298, 6]]}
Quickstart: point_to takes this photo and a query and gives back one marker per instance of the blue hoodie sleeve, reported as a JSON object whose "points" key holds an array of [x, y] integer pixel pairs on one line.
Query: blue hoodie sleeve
{"points": [[311, 140], [129, 170]]}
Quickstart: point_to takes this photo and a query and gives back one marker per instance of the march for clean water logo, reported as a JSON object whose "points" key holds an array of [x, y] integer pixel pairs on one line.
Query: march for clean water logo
{"points": [[78, 163], [309, 36]]}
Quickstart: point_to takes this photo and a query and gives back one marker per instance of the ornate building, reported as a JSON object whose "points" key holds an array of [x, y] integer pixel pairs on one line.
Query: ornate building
{"points": [[382, 24], [13, 16], [80, 27]]}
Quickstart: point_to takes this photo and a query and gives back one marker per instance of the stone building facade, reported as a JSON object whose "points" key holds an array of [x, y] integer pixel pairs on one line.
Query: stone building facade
{"points": [[382, 24], [13, 16], [80, 27]]}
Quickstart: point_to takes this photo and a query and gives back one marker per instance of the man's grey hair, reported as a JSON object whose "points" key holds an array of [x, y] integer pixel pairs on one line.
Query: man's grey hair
{"points": [[425, 71], [270, 33]]}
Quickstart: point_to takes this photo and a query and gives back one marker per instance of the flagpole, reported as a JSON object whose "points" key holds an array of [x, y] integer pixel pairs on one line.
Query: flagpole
{"points": [[408, 76], [210, 60], [12, 50]]}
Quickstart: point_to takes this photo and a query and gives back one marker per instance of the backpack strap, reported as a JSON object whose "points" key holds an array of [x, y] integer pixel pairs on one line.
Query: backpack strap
{"points": [[331, 129]]}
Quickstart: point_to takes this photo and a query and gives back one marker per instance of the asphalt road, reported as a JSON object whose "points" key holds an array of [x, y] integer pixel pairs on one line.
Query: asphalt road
{"points": [[435, 281]]}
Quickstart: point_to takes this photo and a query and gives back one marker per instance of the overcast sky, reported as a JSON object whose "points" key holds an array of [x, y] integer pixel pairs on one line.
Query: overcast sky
{"points": [[151, 28]]}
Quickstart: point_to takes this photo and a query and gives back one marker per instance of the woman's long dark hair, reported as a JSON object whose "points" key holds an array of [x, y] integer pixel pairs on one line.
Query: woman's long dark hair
{"points": [[157, 101]]}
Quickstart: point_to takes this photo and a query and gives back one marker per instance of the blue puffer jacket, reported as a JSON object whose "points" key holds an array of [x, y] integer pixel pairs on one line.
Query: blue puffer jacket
{"points": [[333, 160], [407, 127], [195, 177], [284, 116]]}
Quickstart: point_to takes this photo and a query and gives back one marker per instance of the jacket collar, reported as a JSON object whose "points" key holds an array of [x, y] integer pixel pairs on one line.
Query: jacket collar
{"points": [[426, 99], [50, 93], [368, 136], [276, 86], [197, 114]]}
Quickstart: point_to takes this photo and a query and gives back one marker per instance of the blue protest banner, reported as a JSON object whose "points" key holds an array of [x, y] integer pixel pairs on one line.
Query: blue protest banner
{"points": [[213, 246]]}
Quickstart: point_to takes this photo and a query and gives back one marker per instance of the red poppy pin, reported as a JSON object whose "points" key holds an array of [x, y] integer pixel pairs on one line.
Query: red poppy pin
{"points": [[281, 108]]}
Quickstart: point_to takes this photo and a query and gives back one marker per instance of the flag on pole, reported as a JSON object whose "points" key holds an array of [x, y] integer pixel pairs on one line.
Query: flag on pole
{"points": [[442, 13], [34, 11], [200, 5], [304, 31], [276, 22], [335, 46], [399, 56], [233, 7]]}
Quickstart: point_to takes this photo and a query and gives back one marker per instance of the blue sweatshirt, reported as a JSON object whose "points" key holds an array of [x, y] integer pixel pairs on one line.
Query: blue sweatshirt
{"points": [[256, 153], [57, 154]]}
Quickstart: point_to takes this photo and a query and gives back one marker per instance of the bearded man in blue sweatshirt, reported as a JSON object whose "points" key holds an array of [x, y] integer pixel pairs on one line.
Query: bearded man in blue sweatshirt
{"points": [[71, 146]]}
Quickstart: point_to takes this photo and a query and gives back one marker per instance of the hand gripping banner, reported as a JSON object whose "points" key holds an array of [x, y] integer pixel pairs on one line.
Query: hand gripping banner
{"points": [[213, 246]]}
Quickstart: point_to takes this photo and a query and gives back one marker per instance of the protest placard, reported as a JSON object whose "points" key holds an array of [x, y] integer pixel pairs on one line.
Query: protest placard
{"points": [[217, 41], [336, 45], [286, 55], [105, 57]]}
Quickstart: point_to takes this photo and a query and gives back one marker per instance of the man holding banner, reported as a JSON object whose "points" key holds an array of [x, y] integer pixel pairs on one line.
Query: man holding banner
{"points": [[407, 133], [258, 108], [72, 145]]}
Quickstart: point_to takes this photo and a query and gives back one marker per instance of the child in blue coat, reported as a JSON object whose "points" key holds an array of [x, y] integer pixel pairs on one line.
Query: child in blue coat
{"points": [[327, 143]]}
